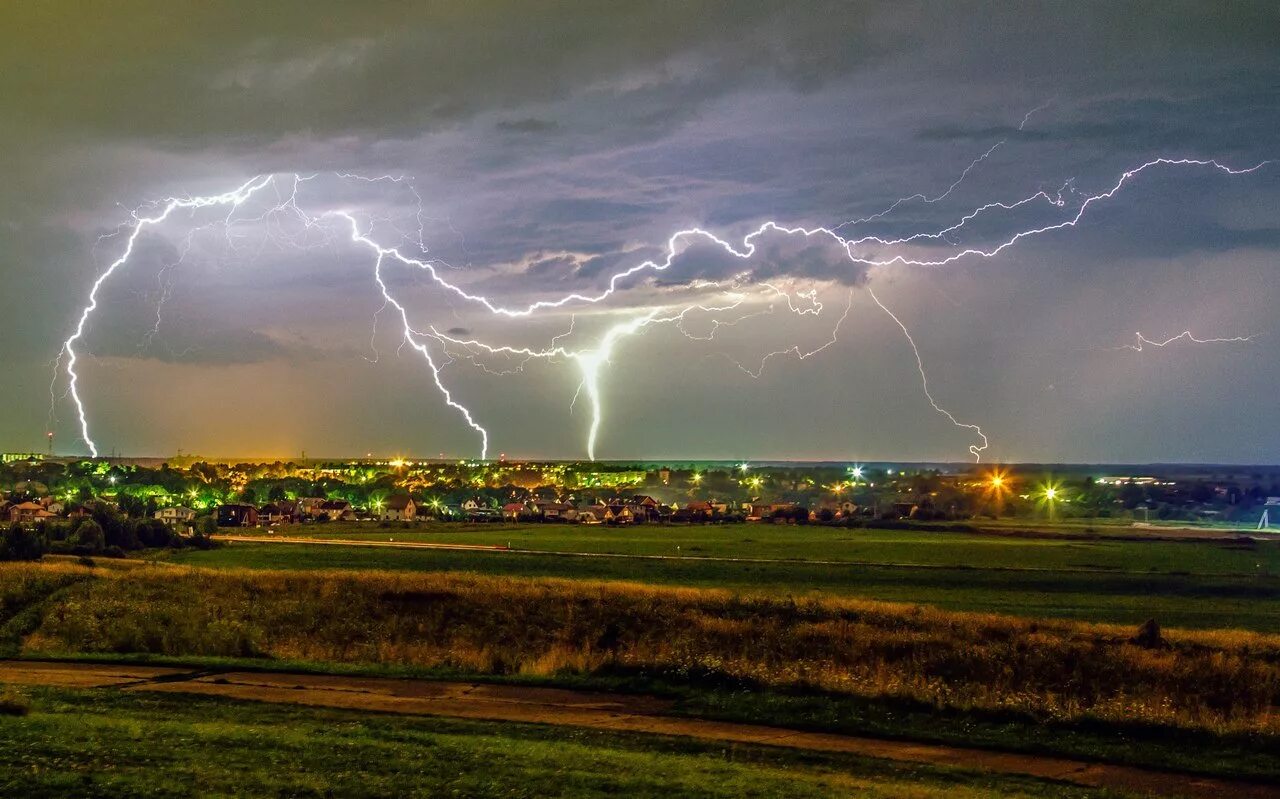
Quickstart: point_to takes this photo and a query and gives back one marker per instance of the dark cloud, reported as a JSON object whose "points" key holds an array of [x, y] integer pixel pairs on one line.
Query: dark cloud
{"points": [[556, 145], [528, 125]]}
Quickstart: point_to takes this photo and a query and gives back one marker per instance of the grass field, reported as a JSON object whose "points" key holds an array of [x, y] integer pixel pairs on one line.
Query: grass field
{"points": [[1043, 548], [1179, 595], [1219, 681], [86, 743], [1205, 703]]}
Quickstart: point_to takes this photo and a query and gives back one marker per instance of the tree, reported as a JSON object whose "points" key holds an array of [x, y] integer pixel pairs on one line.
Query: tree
{"points": [[124, 535], [19, 543], [153, 533], [90, 536]]}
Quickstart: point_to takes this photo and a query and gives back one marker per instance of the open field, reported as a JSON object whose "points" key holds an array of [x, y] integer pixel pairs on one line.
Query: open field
{"points": [[1197, 585], [105, 743], [1220, 681], [1042, 547], [623, 715], [1201, 702]]}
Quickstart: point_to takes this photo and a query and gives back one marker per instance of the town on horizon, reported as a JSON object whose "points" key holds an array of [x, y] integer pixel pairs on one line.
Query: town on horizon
{"points": [[194, 494]]}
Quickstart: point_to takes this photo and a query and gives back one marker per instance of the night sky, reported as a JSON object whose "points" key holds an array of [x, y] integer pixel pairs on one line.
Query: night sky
{"points": [[553, 145]]}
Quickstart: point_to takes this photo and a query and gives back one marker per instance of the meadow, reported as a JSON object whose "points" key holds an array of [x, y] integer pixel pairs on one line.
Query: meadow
{"points": [[1009, 547], [1203, 702], [1192, 584], [87, 743], [1221, 681]]}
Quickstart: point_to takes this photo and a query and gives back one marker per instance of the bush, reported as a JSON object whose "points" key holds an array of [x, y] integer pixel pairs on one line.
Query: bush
{"points": [[19, 543], [153, 533], [13, 703]]}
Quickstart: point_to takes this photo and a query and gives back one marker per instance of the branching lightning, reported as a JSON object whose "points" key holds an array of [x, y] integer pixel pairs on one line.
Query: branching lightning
{"points": [[592, 358], [1183, 336]]}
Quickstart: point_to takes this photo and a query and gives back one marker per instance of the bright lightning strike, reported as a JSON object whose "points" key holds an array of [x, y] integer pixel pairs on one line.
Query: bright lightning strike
{"points": [[592, 360], [974, 449]]}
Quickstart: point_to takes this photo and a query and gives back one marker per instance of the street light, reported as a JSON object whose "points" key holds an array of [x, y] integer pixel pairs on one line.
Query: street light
{"points": [[1051, 495]]}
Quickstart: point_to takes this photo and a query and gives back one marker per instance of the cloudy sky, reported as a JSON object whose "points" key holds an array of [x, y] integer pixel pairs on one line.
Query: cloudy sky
{"points": [[552, 148]]}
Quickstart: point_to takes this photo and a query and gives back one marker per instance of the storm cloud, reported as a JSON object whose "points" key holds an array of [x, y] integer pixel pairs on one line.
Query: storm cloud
{"points": [[555, 146]]}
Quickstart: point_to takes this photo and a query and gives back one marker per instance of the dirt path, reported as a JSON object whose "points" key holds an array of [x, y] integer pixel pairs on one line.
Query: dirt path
{"points": [[617, 712]]}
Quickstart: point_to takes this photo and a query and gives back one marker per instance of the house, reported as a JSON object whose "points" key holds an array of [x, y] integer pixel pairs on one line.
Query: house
{"points": [[338, 510], [177, 516], [79, 512], [699, 511], [237, 515], [399, 508], [289, 509], [618, 513], [592, 514], [759, 510], [26, 512], [274, 513], [551, 510], [513, 510], [644, 508], [310, 506], [53, 506]]}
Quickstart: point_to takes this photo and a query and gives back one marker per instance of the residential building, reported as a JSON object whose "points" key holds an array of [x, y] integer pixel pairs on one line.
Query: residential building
{"points": [[399, 508], [177, 516], [26, 512], [237, 515]]}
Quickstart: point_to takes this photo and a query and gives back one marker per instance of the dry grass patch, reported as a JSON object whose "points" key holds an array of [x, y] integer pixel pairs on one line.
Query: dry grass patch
{"points": [[1223, 681]]}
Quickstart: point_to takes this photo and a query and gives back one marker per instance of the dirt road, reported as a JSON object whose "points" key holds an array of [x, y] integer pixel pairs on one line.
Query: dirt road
{"points": [[616, 712]]}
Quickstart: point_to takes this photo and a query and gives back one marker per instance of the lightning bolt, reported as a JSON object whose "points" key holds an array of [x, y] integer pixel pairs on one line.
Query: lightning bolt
{"points": [[592, 360], [1183, 336], [974, 449], [234, 198]]}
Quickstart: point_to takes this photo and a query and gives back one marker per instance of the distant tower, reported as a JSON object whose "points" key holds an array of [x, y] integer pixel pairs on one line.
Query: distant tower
{"points": [[49, 436]]}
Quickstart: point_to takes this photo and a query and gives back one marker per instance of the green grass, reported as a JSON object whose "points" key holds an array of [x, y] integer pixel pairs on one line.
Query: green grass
{"points": [[108, 743], [1126, 597], [1230, 756], [813, 542]]}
